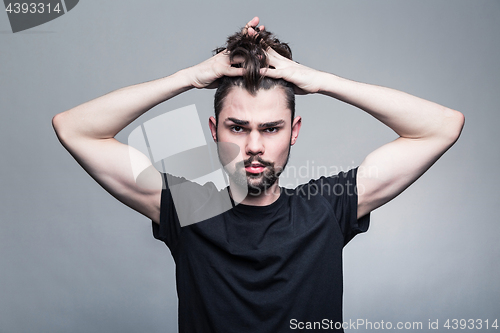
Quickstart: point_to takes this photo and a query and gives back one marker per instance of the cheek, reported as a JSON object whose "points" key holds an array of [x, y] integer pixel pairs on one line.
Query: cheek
{"points": [[279, 152], [234, 140]]}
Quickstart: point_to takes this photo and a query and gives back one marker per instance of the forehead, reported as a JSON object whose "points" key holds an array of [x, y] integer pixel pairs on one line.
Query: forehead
{"points": [[265, 106]]}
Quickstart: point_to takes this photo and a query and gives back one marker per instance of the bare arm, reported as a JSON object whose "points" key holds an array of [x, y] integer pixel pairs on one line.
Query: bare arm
{"points": [[426, 129], [88, 130]]}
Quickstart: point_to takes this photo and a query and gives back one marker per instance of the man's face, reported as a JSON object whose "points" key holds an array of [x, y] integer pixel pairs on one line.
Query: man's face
{"points": [[262, 128]]}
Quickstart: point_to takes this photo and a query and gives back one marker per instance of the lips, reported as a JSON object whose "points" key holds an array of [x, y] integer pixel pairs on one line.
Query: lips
{"points": [[255, 168]]}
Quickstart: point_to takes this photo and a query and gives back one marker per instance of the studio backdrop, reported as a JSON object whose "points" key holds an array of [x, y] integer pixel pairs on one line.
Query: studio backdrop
{"points": [[74, 259]]}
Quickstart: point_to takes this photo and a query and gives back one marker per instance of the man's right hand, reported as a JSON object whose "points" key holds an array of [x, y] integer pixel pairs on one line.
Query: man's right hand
{"points": [[205, 74]]}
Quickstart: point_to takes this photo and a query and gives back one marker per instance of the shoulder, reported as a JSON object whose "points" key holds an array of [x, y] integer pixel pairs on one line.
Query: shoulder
{"points": [[343, 183]]}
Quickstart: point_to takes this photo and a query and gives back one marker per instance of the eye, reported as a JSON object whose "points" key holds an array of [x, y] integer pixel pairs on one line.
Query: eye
{"points": [[237, 129], [271, 130]]}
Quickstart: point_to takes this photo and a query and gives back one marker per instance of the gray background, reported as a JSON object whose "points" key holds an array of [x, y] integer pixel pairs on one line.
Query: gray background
{"points": [[73, 259]]}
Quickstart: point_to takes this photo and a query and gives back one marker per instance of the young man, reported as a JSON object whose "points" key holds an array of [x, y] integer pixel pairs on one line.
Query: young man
{"points": [[273, 261]]}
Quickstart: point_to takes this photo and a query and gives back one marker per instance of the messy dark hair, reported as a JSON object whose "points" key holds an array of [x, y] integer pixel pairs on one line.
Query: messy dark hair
{"points": [[252, 49]]}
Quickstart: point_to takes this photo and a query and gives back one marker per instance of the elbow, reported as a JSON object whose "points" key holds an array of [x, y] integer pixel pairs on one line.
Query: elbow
{"points": [[459, 124], [454, 123], [58, 123]]}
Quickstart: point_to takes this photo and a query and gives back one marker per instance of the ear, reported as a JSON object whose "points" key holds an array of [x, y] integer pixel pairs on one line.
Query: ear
{"points": [[213, 127], [297, 122]]}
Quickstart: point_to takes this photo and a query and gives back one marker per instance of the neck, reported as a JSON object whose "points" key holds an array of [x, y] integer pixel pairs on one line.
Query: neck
{"points": [[265, 198]]}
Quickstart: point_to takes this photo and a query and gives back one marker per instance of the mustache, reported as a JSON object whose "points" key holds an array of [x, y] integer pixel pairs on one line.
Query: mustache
{"points": [[252, 159]]}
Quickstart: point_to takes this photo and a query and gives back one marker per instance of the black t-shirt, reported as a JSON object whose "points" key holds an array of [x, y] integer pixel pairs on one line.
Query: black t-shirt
{"points": [[272, 268]]}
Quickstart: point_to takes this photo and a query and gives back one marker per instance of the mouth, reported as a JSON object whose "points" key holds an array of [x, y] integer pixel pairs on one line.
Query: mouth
{"points": [[255, 168]]}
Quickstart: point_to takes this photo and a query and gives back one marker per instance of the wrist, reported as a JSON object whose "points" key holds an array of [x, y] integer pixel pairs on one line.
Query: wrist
{"points": [[330, 84], [184, 78]]}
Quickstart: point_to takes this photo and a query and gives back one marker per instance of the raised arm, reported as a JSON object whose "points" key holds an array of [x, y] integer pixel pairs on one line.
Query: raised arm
{"points": [[426, 129], [88, 130]]}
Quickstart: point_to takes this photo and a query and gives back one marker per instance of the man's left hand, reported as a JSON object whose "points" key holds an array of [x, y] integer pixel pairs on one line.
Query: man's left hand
{"points": [[305, 79]]}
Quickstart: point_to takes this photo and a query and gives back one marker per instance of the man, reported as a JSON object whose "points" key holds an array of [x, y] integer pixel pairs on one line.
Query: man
{"points": [[273, 261]]}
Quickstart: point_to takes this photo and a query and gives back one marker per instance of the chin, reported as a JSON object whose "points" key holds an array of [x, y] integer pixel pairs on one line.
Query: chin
{"points": [[259, 185]]}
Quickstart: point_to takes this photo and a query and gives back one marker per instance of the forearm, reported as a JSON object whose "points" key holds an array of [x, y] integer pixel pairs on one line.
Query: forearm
{"points": [[104, 117], [409, 116]]}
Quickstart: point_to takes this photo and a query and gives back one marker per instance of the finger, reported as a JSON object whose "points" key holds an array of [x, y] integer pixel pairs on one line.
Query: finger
{"points": [[272, 73], [275, 59], [237, 60], [261, 28], [272, 57], [252, 32], [227, 55], [233, 71], [253, 22]]}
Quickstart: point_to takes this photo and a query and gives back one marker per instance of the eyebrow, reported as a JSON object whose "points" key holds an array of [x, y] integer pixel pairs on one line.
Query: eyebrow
{"points": [[263, 125]]}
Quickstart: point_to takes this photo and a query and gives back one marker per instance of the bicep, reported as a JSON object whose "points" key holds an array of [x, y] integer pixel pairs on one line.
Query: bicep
{"points": [[390, 169], [124, 172]]}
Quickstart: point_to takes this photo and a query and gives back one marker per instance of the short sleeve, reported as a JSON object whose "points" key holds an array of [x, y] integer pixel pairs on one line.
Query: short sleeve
{"points": [[341, 192], [169, 228], [184, 203]]}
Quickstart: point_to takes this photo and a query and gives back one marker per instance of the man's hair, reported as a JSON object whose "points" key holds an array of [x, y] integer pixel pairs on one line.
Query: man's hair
{"points": [[252, 49]]}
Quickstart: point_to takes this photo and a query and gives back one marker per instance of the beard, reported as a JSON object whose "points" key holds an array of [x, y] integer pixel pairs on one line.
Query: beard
{"points": [[256, 183]]}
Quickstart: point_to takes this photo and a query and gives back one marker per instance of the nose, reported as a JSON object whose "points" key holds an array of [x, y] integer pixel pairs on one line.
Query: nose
{"points": [[254, 144]]}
